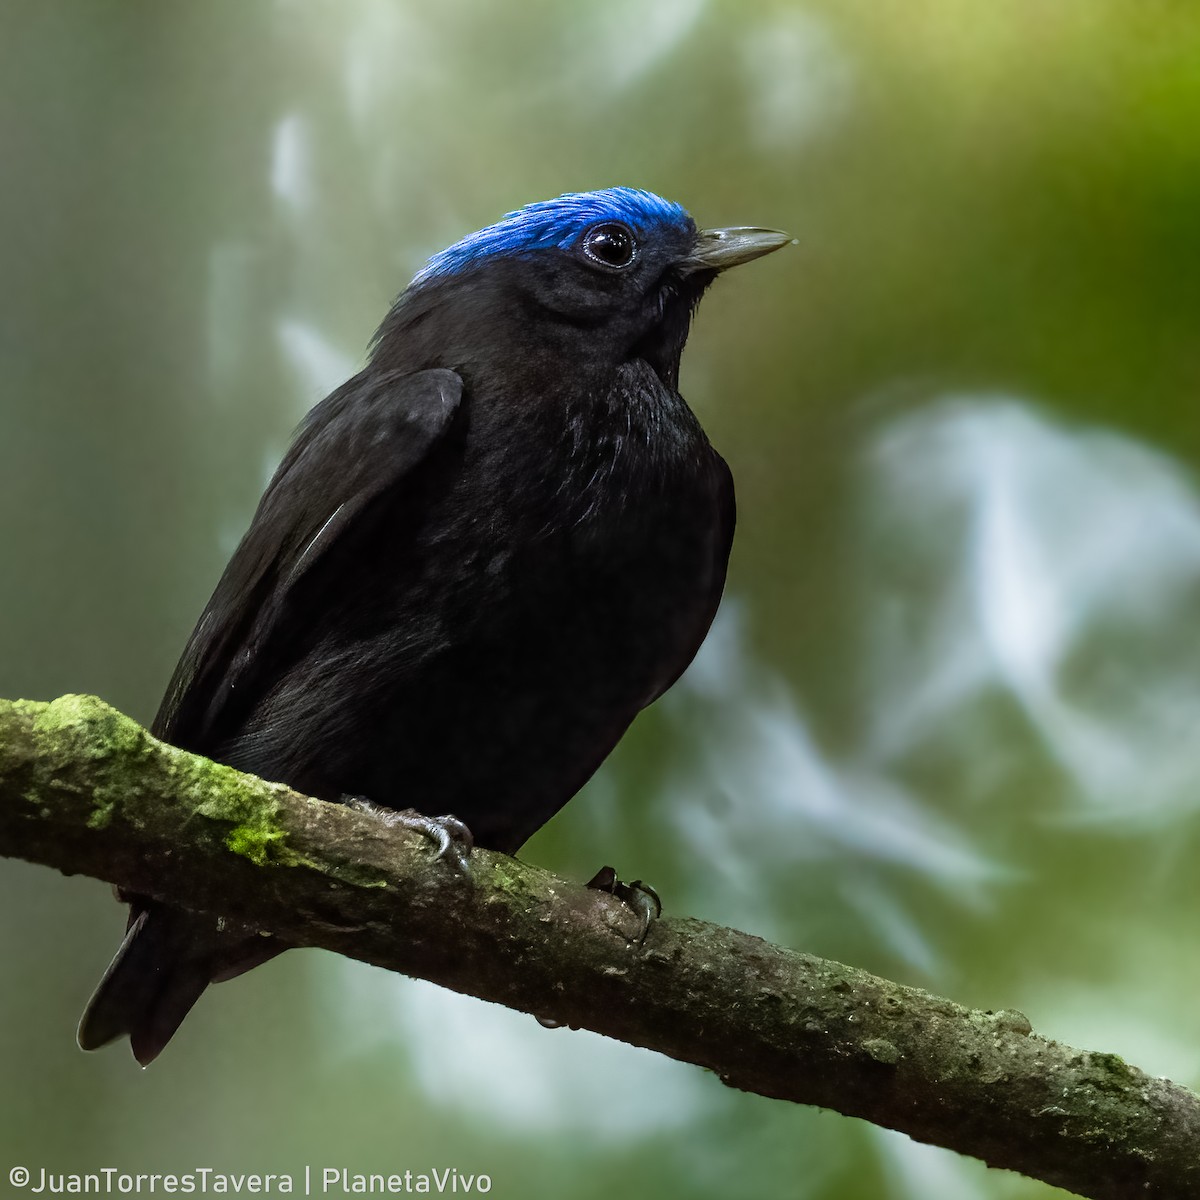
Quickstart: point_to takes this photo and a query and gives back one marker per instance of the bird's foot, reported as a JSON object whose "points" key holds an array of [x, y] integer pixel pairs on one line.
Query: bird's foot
{"points": [[638, 896], [453, 839]]}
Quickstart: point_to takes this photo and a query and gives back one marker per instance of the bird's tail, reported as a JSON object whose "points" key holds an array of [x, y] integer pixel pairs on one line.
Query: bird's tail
{"points": [[169, 956]]}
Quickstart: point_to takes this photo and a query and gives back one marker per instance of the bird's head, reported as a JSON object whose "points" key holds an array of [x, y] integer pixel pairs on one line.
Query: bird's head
{"points": [[617, 272]]}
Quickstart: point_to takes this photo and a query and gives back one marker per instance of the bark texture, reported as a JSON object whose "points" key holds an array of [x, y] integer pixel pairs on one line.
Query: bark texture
{"points": [[88, 791]]}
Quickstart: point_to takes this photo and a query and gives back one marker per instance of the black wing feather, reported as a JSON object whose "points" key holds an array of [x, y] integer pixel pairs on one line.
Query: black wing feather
{"points": [[357, 445]]}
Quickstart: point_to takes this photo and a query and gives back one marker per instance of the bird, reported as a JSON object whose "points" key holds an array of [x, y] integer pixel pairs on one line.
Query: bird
{"points": [[480, 558]]}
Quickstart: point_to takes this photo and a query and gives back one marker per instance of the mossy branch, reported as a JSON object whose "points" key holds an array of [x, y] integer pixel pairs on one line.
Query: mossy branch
{"points": [[88, 791]]}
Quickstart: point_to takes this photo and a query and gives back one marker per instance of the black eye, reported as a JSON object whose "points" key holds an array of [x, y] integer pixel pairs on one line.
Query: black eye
{"points": [[612, 245]]}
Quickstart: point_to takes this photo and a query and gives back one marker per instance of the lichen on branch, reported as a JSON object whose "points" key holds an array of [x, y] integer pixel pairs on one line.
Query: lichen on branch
{"points": [[88, 791]]}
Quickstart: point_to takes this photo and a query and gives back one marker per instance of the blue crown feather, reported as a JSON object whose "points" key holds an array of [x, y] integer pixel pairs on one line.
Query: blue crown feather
{"points": [[557, 222]]}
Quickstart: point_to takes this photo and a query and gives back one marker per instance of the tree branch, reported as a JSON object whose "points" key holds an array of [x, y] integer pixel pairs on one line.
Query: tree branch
{"points": [[86, 790]]}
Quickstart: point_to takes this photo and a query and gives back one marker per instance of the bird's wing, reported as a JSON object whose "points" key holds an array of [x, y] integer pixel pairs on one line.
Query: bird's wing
{"points": [[357, 447]]}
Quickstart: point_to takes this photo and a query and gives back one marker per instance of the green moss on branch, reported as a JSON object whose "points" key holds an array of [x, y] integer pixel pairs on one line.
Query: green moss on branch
{"points": [[86, 790]]}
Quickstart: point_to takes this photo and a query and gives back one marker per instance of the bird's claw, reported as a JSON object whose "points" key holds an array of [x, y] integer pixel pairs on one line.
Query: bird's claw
{"points": [[638, 896], [453, 839]]}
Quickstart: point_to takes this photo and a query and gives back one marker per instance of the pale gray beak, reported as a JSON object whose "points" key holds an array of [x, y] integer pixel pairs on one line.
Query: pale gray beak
{"points": [[719, 249]]}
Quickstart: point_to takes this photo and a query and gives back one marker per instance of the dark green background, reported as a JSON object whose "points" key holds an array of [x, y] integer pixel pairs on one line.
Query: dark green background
{"points": [[946, 725]]}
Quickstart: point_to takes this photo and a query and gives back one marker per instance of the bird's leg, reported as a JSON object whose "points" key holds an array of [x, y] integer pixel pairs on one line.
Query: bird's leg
{"points": [[639, 896], [454, 840]]}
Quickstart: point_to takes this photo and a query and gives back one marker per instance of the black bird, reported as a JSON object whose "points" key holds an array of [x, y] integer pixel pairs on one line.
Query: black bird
{"points": [[479, 560]]}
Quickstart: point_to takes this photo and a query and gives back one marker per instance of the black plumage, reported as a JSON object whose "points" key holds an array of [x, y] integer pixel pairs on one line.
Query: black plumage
{"points": [[480, 559]]}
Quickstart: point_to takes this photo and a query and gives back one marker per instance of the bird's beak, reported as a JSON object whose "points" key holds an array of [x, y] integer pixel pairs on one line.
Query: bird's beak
{"points": [[719, 249]]}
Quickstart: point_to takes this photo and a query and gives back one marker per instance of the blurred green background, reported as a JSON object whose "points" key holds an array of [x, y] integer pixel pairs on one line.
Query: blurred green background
{"points": [[945, 727]]}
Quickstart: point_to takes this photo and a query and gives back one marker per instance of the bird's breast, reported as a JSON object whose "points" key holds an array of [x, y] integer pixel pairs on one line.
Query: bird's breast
{"points": [[595, 524]]}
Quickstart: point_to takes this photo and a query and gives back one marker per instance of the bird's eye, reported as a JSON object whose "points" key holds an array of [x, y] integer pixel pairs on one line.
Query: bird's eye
{"points": [[610, 245]]}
